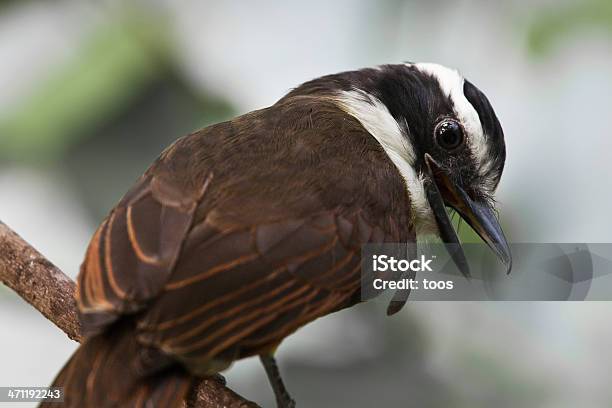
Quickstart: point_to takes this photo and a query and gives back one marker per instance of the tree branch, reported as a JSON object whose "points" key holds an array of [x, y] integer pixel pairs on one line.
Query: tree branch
{"points": [[38, 282], [51, 292]]}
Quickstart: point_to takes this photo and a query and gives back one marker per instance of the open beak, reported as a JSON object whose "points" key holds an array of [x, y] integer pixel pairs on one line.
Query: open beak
{"points": [[442, 192]]}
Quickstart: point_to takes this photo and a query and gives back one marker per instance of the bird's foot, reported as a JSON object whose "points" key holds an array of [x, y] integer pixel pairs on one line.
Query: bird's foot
{"points": [[283, 399], [286, 403]]}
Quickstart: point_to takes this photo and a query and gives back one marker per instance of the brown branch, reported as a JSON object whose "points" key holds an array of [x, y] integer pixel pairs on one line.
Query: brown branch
{"points": [[38, 282], [50, 291]]}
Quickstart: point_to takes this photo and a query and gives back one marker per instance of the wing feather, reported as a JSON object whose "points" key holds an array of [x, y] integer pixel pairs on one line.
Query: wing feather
{"points": [[240, 291], [133, 252]]}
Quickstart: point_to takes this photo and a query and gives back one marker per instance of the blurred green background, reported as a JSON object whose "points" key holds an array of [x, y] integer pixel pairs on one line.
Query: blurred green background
{"points": [[91, 93]]}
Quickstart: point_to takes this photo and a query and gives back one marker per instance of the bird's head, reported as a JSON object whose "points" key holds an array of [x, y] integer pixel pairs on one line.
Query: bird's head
{"points": [[442, 134]]}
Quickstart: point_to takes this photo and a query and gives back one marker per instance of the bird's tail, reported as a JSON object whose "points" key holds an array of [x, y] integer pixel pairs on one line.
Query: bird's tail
{"points": [[111, 370]]}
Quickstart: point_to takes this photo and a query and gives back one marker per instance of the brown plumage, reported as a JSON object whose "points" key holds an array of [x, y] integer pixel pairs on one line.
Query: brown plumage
{"points": [[234, 238], [241, 233]]}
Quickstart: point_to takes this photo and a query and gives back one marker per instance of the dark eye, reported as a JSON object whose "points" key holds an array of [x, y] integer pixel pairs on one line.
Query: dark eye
{"points": [[449, 134]]}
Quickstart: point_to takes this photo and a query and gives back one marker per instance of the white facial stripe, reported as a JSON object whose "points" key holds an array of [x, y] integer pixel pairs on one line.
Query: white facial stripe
{"points": [[451, 83], [378, 121]]}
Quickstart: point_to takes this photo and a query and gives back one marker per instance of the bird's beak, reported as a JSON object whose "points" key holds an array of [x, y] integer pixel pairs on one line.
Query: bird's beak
{"points": [[441, 192]]}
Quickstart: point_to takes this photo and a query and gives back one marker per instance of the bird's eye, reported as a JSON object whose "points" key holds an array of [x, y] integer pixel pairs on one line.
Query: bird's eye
{"points": [[449, 134]]}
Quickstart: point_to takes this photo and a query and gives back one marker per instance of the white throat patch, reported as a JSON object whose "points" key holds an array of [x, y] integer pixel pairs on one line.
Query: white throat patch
{"points": [[378, 121], [451, 83]]}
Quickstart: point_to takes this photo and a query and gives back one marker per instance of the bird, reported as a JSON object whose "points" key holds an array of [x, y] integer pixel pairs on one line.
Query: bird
{"points": [[244, 231]]}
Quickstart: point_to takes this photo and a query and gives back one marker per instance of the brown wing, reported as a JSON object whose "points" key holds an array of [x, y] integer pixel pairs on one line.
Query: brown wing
{"points": [[239, 292], [134, 251]]}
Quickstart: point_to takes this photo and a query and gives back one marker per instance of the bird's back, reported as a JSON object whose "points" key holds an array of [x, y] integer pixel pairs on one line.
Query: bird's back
{"points": [[234, 238]]}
